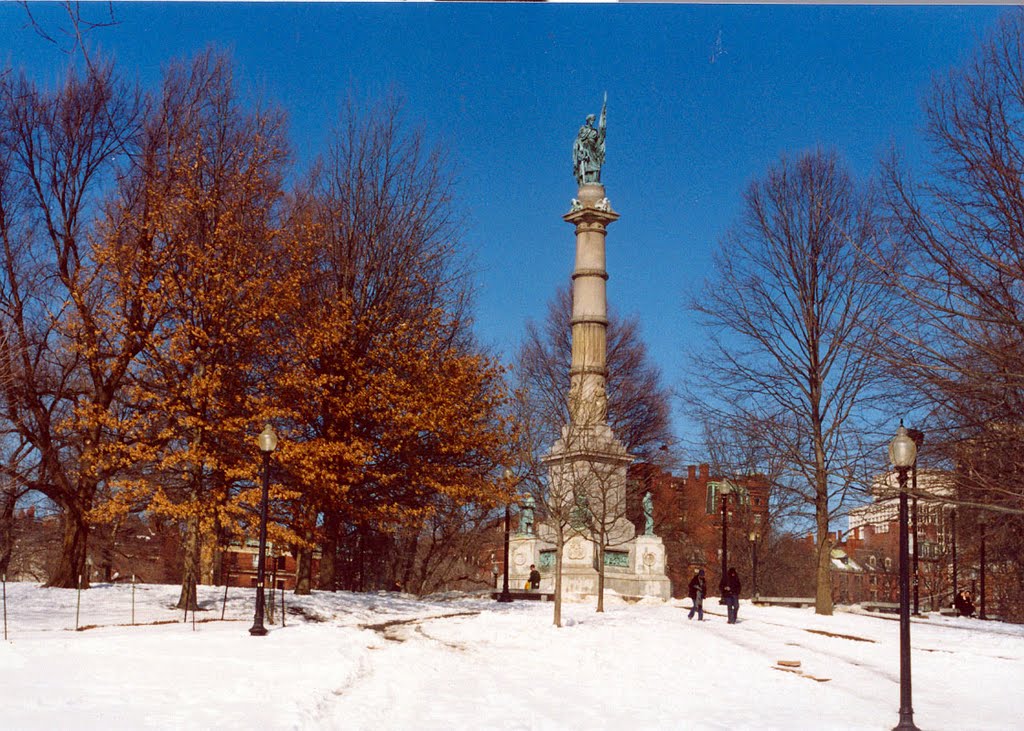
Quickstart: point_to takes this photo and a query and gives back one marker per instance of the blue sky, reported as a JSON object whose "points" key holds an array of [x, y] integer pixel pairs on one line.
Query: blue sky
{"points": [[701, 99]]}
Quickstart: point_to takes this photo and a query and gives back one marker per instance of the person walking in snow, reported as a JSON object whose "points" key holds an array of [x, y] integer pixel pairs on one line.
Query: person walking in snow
{"points": [[534, 578], [698, 588], [730, 588]]}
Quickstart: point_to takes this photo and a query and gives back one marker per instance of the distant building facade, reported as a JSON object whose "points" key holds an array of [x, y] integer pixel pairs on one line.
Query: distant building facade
{"points": [[239, 566], [688, 517], [866, 561]]}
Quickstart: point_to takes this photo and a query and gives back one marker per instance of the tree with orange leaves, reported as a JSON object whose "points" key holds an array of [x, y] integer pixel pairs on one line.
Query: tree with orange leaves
{"points": [[391, 403], [208, 193]]}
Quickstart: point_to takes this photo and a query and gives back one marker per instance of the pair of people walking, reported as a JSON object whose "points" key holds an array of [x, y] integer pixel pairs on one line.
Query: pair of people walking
{"points": [[729, 586]]}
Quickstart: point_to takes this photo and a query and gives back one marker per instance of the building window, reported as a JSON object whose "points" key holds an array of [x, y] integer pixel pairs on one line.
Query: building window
{"points": [[888, 564], [712, 505]]}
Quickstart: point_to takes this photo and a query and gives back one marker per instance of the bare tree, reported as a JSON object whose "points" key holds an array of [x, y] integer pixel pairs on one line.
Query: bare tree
{"points": [[71, 38], [792, 329], [960, 344], [69, 340]]}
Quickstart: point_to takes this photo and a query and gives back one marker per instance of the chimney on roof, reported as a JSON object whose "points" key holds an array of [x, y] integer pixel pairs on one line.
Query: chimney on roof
{"points": [[704, 471], [691, 471]]}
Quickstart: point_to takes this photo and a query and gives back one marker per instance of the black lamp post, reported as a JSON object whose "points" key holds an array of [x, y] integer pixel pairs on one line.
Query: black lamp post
{"points": [[753, 554], [981, 560], [505, 596], [902, 453], [725, 488], [268, 443]]}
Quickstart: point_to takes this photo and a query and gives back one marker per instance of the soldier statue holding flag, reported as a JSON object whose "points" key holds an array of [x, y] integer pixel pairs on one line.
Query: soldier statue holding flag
{"points": [[588, 150]]}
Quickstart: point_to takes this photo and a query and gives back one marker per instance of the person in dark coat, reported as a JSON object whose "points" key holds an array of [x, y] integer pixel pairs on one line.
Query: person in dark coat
{"points": [[534, 578], [730, 588], [698, 588], [964, 603]]}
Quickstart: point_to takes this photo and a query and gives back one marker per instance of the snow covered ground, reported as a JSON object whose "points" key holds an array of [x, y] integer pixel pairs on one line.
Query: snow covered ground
{"points": [[389, 661]]}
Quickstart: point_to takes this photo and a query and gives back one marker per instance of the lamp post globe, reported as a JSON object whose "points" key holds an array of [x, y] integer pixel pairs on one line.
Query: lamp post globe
{"points": [[902, 450], [902, 455], [267, 441]]}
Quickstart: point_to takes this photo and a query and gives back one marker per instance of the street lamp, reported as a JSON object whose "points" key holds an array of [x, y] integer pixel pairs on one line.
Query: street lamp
{"points": [[505, 596], [268, 443], [725, 488], [753, 554], [902, 454]]}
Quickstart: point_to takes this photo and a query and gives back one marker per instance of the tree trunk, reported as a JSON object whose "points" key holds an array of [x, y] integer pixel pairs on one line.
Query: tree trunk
{"points": [[70, 563], [109, 548], [359, 583], [600, 575], [219, 569], [6, 529], [823, 591], [222, 541], [823, 580], [303, 571], [409, 556], [190, 565], [559, 545], [329, 552]]}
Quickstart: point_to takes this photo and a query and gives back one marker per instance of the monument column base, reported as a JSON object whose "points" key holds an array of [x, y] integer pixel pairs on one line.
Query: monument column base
{"points": [[523, 550]]}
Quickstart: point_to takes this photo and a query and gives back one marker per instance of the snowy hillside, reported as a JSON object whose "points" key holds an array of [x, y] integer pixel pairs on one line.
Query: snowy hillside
{"points": [[386, 661]]}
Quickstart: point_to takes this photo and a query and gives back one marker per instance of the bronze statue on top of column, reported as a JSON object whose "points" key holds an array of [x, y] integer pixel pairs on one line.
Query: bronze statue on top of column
{"points": [[588, 149]]}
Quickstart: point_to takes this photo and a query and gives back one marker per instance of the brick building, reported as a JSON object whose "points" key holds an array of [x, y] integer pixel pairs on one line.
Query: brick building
{"points": [[688, 517], [239, 563]]}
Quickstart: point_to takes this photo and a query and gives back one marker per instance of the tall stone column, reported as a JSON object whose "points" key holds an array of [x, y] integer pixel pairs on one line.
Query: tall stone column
{"points": [[591, 215], [588, 459], [587, 464]]}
